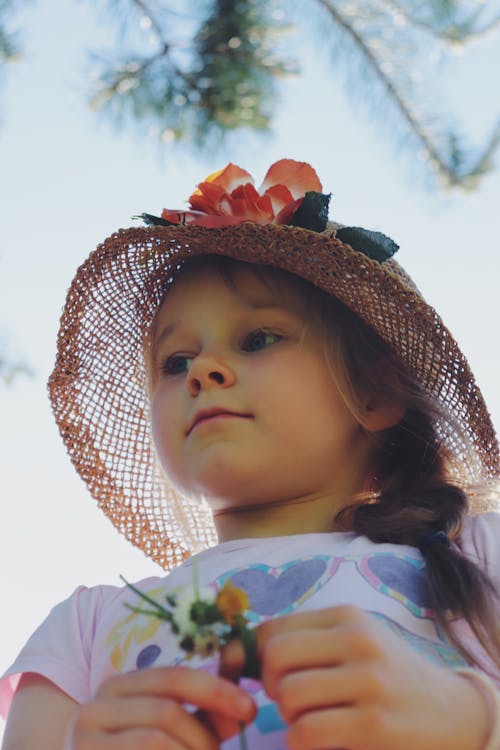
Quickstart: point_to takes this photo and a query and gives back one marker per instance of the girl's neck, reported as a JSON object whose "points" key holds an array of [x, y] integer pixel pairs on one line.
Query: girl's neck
{"points": [[303, 515]]}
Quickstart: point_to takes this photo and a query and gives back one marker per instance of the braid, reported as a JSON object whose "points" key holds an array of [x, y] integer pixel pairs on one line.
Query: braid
{"points": [[414, 498]]}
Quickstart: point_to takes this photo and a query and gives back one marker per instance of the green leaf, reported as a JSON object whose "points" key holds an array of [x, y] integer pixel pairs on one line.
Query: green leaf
{"points": [[151, 220], [204, 613], [248, 638], [159, 610], [312, 212], [374, 245]]}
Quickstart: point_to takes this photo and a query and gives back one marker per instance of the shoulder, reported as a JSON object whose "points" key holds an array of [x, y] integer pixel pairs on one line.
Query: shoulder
{"points": [[84, 610], [94, 600], [63, 647], [479, 541]]}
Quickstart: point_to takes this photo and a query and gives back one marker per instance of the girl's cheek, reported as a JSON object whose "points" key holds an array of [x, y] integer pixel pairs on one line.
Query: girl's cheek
{"points": [[163, 423]]}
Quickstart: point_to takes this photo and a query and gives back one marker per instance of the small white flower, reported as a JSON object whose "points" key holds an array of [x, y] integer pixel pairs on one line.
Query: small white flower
{"points": [[185, 597]]}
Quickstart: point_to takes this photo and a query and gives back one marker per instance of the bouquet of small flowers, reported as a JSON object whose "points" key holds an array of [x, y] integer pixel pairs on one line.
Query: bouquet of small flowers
{"points": [[204, 621]]}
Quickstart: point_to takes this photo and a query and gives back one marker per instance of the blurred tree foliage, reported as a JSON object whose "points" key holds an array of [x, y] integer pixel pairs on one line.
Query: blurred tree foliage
{"points": [[10, 370], [8, 38], [9, 52], [195, 71], [215, 67]]}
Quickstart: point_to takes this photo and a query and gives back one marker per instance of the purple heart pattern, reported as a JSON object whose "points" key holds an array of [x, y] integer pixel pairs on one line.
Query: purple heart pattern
{"points": [[279, 591]]}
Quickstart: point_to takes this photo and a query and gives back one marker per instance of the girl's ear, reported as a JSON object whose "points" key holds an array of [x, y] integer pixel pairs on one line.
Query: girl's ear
{"points": [[381, 414]]}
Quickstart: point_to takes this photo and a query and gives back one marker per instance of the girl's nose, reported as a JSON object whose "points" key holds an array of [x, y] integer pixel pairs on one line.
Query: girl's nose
{"points": [[207, 372]]}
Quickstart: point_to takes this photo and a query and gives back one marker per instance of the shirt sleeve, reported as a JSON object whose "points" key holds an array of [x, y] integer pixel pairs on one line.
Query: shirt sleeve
{"points": [[60, 648], [480, 541]]}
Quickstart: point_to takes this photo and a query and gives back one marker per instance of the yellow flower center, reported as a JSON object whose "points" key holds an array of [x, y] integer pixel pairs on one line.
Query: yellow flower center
{"points": [[232, 601]]}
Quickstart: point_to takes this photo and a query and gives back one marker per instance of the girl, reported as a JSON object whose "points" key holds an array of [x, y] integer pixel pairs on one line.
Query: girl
{"points": [[249, 387]]}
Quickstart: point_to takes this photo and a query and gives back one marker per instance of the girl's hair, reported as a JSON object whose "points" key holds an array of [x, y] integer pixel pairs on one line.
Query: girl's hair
{"points": [[418, 465], [418, 461]]}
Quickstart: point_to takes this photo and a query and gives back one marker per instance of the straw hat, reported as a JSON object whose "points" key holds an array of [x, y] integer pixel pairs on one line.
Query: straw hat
{"points": [[97, 388]]}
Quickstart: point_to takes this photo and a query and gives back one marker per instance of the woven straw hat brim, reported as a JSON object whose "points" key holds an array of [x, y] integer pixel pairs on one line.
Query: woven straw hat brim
{"points": [[97, 387]]}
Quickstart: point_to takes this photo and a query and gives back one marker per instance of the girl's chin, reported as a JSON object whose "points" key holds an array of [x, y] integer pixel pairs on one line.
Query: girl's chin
{"points": [[219, 483], [216, 495]]}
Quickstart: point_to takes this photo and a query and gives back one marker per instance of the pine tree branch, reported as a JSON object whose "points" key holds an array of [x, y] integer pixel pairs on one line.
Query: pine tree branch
{"points": [[9, 40], [166, 45], [485, 164], [489, 28], [133, 72], [10, 371], [223, 80], [144, 7], [450, 173], [397, 9], [462, 34]]}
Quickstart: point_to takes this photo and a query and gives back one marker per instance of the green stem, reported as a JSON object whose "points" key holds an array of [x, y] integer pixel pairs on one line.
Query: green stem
{"points": [[196, 579], [159, 612], [243, 737]]}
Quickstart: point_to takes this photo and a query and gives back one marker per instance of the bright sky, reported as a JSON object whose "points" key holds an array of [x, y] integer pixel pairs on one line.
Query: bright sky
{"points": [[68, 181]]}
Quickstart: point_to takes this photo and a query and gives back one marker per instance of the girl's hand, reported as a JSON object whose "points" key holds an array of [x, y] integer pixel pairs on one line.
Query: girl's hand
{"points": [[342, 680], [144, 711]]}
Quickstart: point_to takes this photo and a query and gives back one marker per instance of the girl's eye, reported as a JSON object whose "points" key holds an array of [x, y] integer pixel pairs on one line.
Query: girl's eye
{"points": [[257, 340], [176, 364]]}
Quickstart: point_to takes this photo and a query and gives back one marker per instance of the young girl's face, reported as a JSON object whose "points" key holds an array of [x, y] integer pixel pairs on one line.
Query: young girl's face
{"points": [[242, 348]]}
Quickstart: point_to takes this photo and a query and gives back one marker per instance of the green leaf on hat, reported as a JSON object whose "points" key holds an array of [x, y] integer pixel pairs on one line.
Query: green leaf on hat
{"points": [[151, 220], [375, 245], [312, 212]]}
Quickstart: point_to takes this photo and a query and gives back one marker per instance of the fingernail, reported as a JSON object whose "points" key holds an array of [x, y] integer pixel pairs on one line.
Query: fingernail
{"points": [[244, 704]]}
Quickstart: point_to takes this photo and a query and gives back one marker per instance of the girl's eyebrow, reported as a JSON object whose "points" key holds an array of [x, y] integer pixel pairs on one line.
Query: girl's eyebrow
{"points": [[166, 332], [169, 329]]}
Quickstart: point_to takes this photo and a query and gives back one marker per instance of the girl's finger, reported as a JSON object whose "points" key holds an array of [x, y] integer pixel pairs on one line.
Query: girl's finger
{"points": [[232, 660], [221, 726], [138, 739], [334, 729], [199, 688], [128, 740], [330, 617], [132, 740], [149, 713], [315, 689], [306, 649]]}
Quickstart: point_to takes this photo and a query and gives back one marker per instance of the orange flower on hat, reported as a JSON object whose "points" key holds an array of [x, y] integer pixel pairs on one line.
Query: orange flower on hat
{"points": [[229, 197], [231, 602]]}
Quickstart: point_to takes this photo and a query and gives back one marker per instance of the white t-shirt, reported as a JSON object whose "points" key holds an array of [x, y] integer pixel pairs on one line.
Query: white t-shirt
{"points": [[92, 635]]}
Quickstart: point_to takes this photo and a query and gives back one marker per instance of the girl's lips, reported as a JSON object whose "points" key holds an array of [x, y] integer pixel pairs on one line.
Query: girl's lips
{"points": [[211, 417]]}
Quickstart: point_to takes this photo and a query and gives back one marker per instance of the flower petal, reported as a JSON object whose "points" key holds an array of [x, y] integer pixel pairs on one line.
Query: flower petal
{"points": [[280, 197], [207, 198], [288, 211], [246, 203], [232, 601], [209, 193], [298, 176], [230, 177], [216, 221]]}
